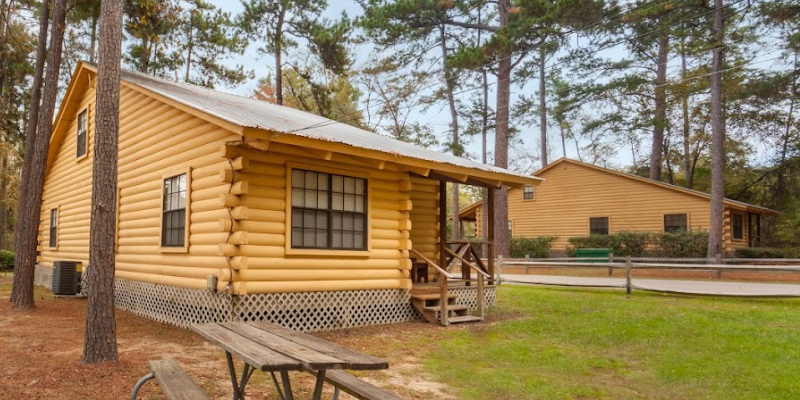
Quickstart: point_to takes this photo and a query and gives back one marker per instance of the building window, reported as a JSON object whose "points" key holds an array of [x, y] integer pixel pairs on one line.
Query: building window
{"points": [[528, 193], [510, 229], [675, 223], [328, 211], [738, 226], [173, 218], [598, 226], [82, 134], [53, 227]]}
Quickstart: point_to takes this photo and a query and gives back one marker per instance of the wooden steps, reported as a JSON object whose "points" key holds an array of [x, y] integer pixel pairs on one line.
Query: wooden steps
{"points": [[430, 306], [465, 318]]}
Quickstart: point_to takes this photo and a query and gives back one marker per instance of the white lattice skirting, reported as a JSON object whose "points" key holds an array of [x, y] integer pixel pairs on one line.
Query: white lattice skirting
{"points": [[307, 311]]}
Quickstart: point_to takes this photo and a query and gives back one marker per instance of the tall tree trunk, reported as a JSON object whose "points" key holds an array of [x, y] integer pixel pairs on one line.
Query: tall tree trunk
{"points": [[780, 180], [687, 154], [145, 60], [101, 341], [189, 47], [3, 200], [26, 229], [189, 50], [456, 143], [501, 239], [717, 134], [660, 120], [484, 157], [484, 150], [670, 175], [93, 42], [542, 107], [278, 58]]}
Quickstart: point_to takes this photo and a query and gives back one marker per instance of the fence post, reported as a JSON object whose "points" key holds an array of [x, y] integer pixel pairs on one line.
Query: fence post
{"points": [[527, 267], [611, 260], [718, 261], [628, 266], [500, 269]]}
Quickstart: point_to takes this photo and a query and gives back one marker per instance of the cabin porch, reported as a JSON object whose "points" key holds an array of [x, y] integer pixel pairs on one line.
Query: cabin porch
{"points": [[457, 267]]}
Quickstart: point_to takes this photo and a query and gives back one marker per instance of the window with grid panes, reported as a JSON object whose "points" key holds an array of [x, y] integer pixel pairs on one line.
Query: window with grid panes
{"points": [[82, 123], [527, 192], [328, 211], [598, 226], [173, 223], [675, 223], [53, 227], [738, 226]]}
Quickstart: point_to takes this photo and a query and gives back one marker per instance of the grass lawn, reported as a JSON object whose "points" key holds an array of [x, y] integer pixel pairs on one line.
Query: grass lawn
{"points": [[596, 344], [537, 343]]}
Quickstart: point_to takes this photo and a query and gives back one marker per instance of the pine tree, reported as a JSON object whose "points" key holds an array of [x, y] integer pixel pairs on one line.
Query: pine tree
{"points": [[100, 342]]}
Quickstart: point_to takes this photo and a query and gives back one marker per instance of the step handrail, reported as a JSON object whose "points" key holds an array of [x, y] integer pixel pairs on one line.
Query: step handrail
{"points": [[469, 264], [433, 264]]}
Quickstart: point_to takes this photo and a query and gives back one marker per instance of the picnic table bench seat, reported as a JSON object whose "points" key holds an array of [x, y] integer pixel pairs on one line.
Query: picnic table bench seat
{"points": [[174, 382], [356, 387]]}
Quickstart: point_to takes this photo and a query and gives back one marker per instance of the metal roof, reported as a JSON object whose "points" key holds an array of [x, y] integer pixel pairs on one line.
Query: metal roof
{"points": [[252, 113]]}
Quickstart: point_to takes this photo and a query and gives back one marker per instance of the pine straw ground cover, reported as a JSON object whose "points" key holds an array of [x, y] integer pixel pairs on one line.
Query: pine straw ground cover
{"points": [[537, 343]]}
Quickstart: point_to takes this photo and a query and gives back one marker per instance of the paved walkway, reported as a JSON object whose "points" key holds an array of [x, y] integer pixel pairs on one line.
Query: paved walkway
{"points": [[713, 288]]}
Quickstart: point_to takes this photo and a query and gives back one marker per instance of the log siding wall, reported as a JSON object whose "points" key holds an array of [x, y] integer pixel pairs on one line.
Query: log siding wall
{"points": [[571, 194], [236, 212]]}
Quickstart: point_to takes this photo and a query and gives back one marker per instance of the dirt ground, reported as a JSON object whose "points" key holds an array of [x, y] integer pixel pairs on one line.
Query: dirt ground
{"points": [[40, 352]]}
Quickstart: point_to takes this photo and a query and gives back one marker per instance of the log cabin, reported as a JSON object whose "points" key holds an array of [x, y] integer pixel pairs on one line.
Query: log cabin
{"points": [[231, 208], [579, 199]]}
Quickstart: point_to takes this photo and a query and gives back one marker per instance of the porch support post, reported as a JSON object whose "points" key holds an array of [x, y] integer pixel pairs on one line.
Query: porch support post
{"points": [[444, 313], [490, 233], [758, 230], [442, 224]]}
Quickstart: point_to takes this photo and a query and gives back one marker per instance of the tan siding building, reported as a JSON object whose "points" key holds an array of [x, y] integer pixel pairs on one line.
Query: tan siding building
{"points": [[260, 199], [577, 199]]}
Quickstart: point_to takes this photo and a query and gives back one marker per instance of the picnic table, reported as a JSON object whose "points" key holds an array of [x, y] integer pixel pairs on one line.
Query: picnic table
{"points": [[268, 347]]}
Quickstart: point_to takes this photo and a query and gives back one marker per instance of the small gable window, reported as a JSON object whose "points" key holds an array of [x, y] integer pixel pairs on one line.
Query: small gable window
{"points": [[598, 226], [173, 223], [82, 134], [737, 221], [528, 193], [675, 223]]}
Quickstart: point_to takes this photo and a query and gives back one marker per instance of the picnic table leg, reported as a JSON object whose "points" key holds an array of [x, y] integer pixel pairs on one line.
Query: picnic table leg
{"points": [[287, 385], [277, 386], [318, 387], [237, 393]]}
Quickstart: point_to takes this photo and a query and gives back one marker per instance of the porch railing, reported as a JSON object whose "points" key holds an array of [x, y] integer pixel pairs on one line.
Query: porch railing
{"points": [[470, 262]]}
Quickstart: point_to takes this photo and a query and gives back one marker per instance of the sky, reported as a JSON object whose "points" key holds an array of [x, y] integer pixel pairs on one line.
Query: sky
{"points": [[438, 116]]}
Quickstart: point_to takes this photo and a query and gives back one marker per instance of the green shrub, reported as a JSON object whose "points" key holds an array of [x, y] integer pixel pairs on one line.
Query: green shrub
{"points": [[629, 243], [6, 259], [683, 244], [625, 243], [591, 242], [760, 252], [538, 247]]}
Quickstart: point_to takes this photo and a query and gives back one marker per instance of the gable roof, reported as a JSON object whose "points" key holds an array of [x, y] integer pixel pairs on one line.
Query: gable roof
{"points": [[263, 120], [728, 202]]}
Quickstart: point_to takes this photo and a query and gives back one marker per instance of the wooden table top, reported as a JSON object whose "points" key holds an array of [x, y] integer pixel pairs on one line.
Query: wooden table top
{"points": [[269, 347]]}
